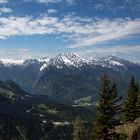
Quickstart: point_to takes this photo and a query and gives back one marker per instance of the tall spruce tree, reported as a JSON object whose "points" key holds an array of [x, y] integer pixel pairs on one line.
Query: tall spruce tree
{"points": [[130, 105], [138, 104], [79, 131], [107, 109]]}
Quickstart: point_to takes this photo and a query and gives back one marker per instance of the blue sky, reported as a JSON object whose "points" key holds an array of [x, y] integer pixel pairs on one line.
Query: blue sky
{"points": [[91, 28]]}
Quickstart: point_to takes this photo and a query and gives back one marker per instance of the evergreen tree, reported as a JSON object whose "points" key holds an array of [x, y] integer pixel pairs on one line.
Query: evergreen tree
{"points": [[138, 104], [107, 109], [79, 131], [130, 105]]}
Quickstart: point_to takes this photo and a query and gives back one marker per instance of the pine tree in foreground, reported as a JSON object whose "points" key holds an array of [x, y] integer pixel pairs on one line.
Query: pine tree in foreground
{"points": [[107, 109], [79, 132], [130, 105], [138, 104]]}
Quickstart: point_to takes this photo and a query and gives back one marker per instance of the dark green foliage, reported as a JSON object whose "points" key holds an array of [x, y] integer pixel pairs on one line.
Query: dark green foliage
{"points": [[22, 115], [138, 104], [130, 105], [30, 129], [15, 101], [79, 131], [107, 109]]}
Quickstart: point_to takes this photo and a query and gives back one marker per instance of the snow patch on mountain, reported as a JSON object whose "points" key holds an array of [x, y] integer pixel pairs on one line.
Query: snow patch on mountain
{"points": [[45, 62], [43, 67], [116, 63]]}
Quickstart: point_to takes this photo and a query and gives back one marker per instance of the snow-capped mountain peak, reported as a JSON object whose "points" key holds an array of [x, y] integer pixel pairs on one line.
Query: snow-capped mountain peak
{"points": [[68, 59], [113, 60], [109, 61]]}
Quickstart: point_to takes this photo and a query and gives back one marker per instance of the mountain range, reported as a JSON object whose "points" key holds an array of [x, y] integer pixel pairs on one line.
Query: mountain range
{"points": [[68, 77]]}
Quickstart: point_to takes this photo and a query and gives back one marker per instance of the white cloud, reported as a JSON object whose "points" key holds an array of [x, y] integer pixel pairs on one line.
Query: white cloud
{"points": [[5, 10], [48, 1], [55, 1], [3, 1], [52, 1], [82, 32], [19, 26], [52, 11], [106, 30]]}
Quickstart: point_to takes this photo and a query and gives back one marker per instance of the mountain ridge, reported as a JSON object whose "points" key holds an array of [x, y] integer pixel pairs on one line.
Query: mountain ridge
{"points": [[69, 59], [67, 77]]}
